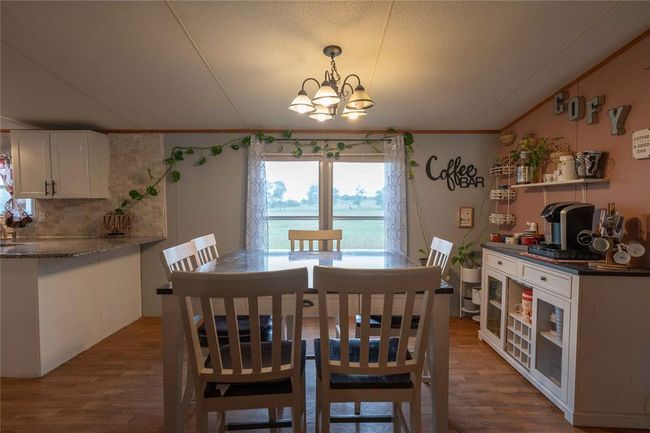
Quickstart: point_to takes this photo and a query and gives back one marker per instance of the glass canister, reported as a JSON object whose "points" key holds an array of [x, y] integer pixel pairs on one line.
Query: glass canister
{"points": [[523, 169]]}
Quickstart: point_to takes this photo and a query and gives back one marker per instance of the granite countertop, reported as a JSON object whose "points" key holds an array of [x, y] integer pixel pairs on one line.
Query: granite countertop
{"points": [[37, 248], [571, 268]]}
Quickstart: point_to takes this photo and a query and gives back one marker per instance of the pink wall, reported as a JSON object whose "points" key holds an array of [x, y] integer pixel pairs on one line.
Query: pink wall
{"points": [[623, 81]]}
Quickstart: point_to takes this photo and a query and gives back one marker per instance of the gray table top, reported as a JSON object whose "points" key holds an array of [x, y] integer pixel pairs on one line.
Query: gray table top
{"points": [[273, 260]]}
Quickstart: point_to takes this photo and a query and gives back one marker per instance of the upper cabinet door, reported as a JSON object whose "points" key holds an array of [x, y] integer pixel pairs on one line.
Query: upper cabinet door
{"points": [[30, 154], [70, 164]]}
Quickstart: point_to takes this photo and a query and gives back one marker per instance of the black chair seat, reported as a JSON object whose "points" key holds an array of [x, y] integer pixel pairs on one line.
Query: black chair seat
{"points": [[395, 322], [363, 381], [255, 388], [243, 322]]}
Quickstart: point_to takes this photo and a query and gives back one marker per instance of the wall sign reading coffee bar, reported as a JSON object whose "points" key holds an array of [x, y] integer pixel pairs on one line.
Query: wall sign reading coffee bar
{"points": [[577, 107], [456, 174]]}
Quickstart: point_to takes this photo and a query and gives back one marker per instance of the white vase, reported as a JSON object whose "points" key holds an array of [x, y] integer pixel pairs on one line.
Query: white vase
{"points": [[470, 275]]}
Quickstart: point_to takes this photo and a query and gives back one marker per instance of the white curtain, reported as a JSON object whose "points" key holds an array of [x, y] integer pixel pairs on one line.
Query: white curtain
{"points": [[257, 230], [395, 233]]}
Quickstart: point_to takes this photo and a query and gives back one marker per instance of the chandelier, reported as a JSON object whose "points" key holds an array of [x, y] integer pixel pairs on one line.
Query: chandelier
{"points": [[331, 93]]}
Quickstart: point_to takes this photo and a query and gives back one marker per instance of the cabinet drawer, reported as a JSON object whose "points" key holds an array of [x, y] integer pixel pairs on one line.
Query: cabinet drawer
{"points": [[553, 281], [502, 263]]}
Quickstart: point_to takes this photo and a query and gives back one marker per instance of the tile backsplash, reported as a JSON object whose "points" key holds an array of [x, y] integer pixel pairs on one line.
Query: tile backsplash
{"points": [[131, 156]]}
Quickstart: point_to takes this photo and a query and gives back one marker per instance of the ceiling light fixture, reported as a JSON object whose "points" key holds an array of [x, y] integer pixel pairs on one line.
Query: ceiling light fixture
{"points": [[325, 103]]}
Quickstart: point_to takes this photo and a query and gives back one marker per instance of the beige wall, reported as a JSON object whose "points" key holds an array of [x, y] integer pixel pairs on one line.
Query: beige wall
{"points": [[211, 198]]}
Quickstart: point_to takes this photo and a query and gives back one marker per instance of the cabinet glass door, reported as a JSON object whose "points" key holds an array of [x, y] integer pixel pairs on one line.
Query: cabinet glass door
{"points": [[494, 305], [551, 342]]}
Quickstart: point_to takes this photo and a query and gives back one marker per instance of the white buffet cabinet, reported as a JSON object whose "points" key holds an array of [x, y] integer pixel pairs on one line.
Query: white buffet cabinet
{"points": [[587, 345], [54, 308]]}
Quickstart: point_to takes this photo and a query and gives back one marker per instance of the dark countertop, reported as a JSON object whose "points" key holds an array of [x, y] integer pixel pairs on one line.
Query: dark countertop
{"points": [[268, 260], [45, 248], [570, 268]]}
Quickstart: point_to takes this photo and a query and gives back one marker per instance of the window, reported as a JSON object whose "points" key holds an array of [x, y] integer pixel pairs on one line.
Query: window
{"points": [[26, 204], [310, 195]]}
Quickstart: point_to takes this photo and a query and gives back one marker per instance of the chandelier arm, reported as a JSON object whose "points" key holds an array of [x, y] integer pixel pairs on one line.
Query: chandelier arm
{"points": [[310, 79], [343, 93], [346, 80]]}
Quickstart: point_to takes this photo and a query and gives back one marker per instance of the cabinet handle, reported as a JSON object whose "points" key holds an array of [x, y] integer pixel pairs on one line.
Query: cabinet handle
{"points": [[53, 188], [46, 192], [543, 278], [499, 262]]}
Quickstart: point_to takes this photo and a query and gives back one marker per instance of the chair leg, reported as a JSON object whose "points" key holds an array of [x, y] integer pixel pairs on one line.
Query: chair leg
{"points": [[222, 422], [273, 417], [426, 374], [357, 408], [325, 416], [416, 411], [201, 419], [317, 411], [397, 420], [296, 417]]}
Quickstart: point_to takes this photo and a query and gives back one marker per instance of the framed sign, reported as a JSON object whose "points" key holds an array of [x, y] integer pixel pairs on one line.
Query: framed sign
{"points": [[466, 217], [641, 144]]}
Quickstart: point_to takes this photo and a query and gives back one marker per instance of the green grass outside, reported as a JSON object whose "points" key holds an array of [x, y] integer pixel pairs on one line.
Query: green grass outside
{"points": [[356, 234]]}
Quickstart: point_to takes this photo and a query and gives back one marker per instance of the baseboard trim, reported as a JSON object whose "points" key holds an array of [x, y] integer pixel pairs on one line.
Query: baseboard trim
{"points": [[611, 420]]}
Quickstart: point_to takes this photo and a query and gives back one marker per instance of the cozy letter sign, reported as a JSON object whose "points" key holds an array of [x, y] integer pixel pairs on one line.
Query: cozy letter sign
{"points": [[577, 107], [641, 144], [456, 174]]}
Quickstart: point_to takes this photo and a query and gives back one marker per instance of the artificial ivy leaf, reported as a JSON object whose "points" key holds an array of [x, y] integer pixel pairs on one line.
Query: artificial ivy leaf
{"points": [[134, 194], [297, 152], [234, 146], [316, 148], [330, 154], [245, 142], [340, 145], [287, 133], [189, 151], [152, 191], [176, 176], [170, 161], [268, 139], [408, 139], [124, 203], [260, 136], [413, 163], [202, 161], [119, 211], [216, 150], [178, 155], [337, 155]]}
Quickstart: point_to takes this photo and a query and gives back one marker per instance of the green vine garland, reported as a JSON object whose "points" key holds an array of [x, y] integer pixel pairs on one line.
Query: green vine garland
{"points": [[179, 153]]}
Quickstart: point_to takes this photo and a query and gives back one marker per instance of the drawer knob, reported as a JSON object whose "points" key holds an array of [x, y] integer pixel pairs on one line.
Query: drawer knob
{"points": [[499, 262], [543, 278]]}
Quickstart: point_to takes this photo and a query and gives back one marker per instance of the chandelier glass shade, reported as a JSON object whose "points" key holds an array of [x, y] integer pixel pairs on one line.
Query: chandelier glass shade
{"points": [[331, 93]]}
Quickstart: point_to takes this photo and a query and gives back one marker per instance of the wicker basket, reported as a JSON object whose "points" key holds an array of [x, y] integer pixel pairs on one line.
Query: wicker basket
{"points": [[503, 219], [502, 170], [117, 225], [503, 194]]}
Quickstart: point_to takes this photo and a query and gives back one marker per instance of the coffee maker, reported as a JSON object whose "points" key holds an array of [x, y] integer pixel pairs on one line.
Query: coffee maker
{"points": [[563, 222]]}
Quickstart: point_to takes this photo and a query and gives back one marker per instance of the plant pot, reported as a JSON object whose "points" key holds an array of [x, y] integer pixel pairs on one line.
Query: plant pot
{"points": [[470, 275], [423, 261], [468, 304]]}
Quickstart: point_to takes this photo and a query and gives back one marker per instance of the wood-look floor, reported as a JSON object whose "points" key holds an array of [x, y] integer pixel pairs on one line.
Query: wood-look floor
{"points": [[116, 387]]}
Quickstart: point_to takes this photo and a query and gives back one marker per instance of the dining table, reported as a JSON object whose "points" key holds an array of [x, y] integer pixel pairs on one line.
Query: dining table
{"points": [[177, 398]]}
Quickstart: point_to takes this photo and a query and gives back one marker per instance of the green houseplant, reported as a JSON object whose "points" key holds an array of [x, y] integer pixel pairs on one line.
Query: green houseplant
{"points": [[466, 258], [540, 151]]}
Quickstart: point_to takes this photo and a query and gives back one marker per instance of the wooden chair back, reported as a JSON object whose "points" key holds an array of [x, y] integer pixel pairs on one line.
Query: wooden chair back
{"points": [[237, 294], [182, 257], [389, 291], [439, 253], [320, 236], [206, 248]]}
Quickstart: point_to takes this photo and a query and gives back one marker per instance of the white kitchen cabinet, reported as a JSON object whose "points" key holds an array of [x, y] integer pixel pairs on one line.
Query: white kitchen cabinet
{"points": [[60, 164], [585, 345]]}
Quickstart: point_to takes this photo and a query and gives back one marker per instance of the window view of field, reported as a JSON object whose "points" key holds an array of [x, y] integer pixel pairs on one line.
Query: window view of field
{"points": [[358, 191]]}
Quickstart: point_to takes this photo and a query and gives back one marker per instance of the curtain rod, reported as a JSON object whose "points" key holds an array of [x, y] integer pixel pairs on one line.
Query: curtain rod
{"points": [[331, 139]]}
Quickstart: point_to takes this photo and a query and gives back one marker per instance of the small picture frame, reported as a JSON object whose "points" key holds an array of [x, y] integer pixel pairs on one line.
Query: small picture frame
{"points": [[466, 217]]}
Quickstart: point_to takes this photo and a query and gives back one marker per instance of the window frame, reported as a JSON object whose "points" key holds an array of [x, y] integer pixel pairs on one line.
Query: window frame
{"points": [[325, 215]]}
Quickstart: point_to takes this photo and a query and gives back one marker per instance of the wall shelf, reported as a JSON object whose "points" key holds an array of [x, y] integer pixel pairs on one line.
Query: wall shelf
{"points": [[560, 183]]}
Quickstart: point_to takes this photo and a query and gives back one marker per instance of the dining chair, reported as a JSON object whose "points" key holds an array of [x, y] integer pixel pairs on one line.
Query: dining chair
{"points": [[206, 248], [181, 257], [365, 369], [325, 239], [251, 375]]}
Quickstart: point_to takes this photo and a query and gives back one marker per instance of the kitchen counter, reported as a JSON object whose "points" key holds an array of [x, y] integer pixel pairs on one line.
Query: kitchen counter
{"points": [[571, 268], [42, 248]]}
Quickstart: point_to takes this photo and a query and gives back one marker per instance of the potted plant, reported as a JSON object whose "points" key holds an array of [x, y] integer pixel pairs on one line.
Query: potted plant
{"points": [[540, 151], [465, 257], [424, 256]]}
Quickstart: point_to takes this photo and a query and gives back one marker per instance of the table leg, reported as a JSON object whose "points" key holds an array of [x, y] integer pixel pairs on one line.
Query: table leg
{"points": [[172, 365], [438, 359]]}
